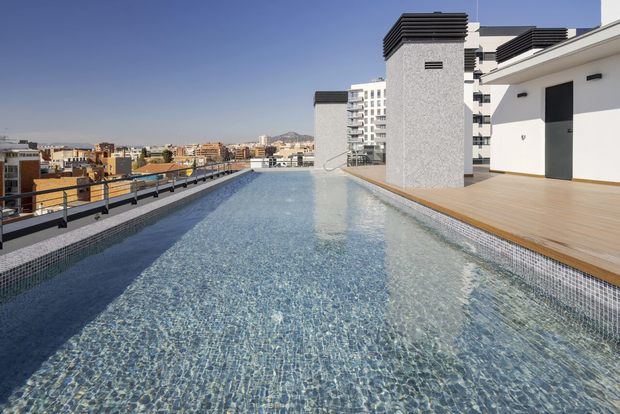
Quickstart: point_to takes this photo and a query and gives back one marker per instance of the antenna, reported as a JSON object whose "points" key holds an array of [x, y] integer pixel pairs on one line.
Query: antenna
{"points": [[477, 11]]}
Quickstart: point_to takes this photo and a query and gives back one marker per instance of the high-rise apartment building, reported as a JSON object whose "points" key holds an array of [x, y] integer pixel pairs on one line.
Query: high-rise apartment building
{"points": [[263, 140], [366, 125]]}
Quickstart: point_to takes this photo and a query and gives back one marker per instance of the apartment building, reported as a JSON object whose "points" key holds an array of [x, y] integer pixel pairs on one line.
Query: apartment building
{"points": [[106, 148], [481, 57], [117, 166], [263, 140], [212, 151], [54, 201], [366, 125], [242, 153], [19, 167]]}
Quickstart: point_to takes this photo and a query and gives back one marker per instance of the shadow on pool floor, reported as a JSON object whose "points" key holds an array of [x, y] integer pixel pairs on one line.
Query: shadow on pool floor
{"points": [[38, 322]]}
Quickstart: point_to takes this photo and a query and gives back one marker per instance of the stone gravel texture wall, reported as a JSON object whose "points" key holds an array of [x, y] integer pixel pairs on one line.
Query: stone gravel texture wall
{"points": [[425, 128], [330, 135]]}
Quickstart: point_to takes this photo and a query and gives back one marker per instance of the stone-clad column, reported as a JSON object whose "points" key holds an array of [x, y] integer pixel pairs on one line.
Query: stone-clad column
{"points": [[330, 129], [424, 57]]}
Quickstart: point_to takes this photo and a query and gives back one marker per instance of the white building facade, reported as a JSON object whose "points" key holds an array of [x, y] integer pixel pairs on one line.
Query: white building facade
{"points": [[366, 123], [557, 111]]}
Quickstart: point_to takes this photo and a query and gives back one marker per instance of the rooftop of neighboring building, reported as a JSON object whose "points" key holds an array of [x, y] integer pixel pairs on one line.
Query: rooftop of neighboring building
{"points": [[158, 168]]}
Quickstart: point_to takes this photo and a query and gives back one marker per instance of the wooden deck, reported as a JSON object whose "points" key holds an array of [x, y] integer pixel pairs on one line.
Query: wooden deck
{"points": [[575, 223]]}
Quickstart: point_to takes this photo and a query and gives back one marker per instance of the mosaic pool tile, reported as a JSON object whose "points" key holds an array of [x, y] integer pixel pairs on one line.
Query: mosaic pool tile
{"points": [[296, 292]]}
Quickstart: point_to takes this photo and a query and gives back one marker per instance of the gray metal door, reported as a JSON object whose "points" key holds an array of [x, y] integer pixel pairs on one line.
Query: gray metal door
{"points": [[559, 131]]}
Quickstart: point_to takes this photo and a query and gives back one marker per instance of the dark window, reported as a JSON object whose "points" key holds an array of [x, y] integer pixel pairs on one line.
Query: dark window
{"points": [[486, 119], [477, 74], [433, 65], [480, 141], [489, 56], [486, 98]]}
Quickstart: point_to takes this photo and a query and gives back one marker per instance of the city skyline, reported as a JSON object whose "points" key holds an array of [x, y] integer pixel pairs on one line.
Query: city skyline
{"points": [[153, 73]]}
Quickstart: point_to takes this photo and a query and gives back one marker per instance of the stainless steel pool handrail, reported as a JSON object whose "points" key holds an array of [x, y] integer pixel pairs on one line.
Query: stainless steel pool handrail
{"points": [[333, 158], [27, 200]]}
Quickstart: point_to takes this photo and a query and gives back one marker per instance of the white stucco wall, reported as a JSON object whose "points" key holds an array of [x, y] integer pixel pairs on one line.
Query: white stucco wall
{"points": [[610, 11], [596, 136], [469, 126]]}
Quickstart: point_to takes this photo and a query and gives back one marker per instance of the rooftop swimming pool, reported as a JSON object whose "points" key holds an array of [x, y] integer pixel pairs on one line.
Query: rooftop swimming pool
{"points": [[295, 292]]}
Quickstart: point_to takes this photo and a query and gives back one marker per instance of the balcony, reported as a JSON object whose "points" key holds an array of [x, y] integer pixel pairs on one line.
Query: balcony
{"points": [[354, 124], [356, 132], [356, 99], [356, 107], [380, 120]]}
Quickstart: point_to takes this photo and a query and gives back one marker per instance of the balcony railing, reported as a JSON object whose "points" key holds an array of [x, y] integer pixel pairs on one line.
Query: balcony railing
{"points": [[356, 99], [354, 123], [58, 206]]}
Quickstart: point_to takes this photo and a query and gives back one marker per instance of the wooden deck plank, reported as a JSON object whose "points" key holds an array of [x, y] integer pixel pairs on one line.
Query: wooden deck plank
{"points": [[575, 223]]}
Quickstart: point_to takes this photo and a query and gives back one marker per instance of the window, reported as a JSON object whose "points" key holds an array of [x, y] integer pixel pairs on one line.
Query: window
{"points": [[372, 103], [489, 56], [482, 98], [384, 93], [372, 112], [482, 119], [365, 94], [372, 94], [480, 141], [379, 93], [477, 74]]}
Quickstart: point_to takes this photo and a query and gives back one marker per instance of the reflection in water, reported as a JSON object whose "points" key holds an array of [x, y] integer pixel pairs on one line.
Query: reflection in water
{"points": [[330, 208], [428, 284]]}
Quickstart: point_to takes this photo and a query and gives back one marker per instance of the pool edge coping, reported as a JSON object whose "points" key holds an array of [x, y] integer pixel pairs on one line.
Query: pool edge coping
{"points": [[596, 299]]}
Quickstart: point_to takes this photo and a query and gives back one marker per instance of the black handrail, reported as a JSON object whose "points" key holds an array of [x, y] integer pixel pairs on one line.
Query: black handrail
{"points": [[101, 182]]}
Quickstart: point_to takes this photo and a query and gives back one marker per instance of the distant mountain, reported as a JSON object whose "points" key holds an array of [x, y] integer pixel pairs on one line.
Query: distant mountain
{"points": [[291, 137]]}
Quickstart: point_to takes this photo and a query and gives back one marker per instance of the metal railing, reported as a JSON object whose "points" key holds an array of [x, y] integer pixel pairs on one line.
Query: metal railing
{"points": [[99, 196]]}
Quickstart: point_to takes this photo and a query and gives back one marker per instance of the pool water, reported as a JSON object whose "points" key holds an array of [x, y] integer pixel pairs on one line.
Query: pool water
{"points": [[295, 292]]}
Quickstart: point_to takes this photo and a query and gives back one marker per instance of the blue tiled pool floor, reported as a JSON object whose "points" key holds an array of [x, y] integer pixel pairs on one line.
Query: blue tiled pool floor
{"points": [[295, 292]]}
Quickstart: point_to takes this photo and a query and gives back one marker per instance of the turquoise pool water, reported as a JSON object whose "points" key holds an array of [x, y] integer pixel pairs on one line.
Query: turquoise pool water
{"points": [[295, 292]]}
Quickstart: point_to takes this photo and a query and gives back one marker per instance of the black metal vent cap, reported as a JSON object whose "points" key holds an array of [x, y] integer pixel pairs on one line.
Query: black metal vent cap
{"points": [[331, 97], [535, 38], [425, 27]]}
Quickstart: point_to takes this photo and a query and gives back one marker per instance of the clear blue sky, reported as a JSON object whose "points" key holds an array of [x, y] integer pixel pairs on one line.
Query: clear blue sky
{"points": [[150, 71]]}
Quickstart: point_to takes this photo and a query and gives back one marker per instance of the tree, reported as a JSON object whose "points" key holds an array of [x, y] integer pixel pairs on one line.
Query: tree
{"points": [[140, 162], [143, 153], [167, 155]]}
